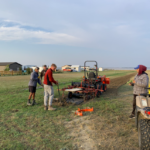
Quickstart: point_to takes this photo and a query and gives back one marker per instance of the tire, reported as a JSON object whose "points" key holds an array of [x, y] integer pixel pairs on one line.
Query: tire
{"points": [[144, 134], [99, 92], [104, 87]]}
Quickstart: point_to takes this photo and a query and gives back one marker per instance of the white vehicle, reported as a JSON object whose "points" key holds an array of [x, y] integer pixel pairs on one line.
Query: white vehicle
{"points": [[40, 69], [76, 68]]}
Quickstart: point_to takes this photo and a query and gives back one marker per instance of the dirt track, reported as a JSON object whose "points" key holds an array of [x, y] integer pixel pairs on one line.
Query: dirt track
{"points": [[117, 82], [94, 132]]}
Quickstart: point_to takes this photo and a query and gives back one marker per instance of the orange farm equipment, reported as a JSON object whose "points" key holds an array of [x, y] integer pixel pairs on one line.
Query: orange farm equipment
{"points": [[91, 85]]}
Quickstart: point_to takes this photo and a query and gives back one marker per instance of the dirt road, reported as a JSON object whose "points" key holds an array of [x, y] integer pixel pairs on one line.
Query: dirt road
{"points": [[106, 129], [117, 82]]}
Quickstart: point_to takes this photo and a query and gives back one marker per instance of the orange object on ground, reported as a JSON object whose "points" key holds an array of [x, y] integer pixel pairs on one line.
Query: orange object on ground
{"points": [[79, 112], [86, 109]]}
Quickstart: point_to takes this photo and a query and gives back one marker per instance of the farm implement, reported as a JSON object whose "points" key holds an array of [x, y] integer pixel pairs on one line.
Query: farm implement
{"points": [[92, 85], [79, 112]]}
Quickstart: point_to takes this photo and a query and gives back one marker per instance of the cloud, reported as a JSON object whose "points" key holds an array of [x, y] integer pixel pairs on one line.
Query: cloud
{"points": [[17, 33]]}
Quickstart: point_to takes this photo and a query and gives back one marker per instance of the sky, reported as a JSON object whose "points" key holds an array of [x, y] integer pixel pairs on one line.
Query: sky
{"points": [[115, 33]]}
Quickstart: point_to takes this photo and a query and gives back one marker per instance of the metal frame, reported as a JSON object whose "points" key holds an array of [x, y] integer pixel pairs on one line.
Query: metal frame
{"points": [[89, 90], [85, 66], [84, 91]]}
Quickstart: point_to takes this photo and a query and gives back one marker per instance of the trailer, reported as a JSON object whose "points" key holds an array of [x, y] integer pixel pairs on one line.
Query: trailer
{"points": [[67, 70]]}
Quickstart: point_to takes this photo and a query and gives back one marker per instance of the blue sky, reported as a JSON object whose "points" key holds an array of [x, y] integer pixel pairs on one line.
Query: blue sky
{"points": [[116, 33]]}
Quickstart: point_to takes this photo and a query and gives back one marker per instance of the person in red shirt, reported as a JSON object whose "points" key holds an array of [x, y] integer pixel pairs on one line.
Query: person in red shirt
{"points": [[48, 87]]}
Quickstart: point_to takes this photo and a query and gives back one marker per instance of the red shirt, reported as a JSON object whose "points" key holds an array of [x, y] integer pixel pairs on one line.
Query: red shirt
{"points": [[48, 78]]}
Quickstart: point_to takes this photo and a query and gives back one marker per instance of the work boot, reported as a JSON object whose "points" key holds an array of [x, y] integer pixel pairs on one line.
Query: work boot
{"points": [[34, 103], [132, 116], [45, 107], [29, 103], [51, 108]]}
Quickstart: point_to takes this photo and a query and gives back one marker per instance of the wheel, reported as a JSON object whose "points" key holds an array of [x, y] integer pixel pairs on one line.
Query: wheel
{"points": [[144, 134], [98, 94], [104, 87], [70, 95], [100, 86]]}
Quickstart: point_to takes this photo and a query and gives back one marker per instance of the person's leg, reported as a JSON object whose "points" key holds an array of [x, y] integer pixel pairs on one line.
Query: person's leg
{"points": [[29, 102], [33, 96], [134, 104], [33, 99], [134, 107], [30, 96], [51, 96], [46, 96]]}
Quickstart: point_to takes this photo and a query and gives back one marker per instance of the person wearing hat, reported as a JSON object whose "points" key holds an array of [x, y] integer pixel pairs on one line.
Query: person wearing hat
{"points": [[43, 71], [140, 85], [34, 79]]}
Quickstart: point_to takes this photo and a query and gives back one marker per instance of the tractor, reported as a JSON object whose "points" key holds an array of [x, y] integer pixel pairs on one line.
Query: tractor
{"points": [[91, 85]]}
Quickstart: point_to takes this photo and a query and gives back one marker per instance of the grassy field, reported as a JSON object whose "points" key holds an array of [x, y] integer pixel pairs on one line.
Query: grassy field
{"points": [[23, 127], [13, 83]]}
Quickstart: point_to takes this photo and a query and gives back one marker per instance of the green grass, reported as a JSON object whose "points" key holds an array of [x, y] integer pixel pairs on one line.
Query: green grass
{"points": [[15, 83], [23, 127]]}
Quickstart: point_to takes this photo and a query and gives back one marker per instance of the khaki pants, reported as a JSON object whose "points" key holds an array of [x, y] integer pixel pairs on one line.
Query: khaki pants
{"points": [[48, 94]]}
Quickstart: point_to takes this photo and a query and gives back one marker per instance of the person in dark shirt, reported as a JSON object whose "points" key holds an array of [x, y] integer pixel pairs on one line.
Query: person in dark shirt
{"points": [[34, 79], [43, 71]]}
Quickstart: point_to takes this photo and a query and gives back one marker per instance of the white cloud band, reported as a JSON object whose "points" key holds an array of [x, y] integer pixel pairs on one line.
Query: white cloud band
{"points": [[17, 33]]}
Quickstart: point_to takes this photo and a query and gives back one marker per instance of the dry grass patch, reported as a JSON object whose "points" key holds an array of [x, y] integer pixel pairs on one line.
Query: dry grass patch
{"points": [[108, 127]]}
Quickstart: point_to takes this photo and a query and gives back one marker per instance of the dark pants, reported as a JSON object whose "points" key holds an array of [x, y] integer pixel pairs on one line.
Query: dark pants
{"points": [[32, 89], [134, 104]]}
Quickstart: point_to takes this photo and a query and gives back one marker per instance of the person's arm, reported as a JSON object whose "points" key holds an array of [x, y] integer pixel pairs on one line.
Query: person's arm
{"points": [[133, 82], [142, 82], [40, 82], [51, 79]]}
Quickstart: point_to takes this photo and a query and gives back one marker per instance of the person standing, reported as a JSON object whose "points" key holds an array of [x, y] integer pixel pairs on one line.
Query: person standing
{"points": [[140, 83], [43, 71], [34, 79], [48, 88]]}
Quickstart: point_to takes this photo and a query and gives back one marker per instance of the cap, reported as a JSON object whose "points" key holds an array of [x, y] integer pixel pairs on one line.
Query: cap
{"points": [[137, 67], [37, 68]]}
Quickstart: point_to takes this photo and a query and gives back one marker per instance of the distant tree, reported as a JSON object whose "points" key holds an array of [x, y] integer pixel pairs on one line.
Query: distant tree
{"points": [[7, 68], [28, 70]]}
